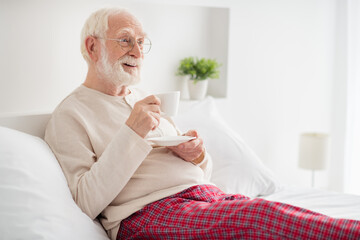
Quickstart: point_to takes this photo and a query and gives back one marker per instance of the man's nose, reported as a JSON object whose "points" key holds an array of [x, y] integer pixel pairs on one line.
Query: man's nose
{"points": [[135, 51]]}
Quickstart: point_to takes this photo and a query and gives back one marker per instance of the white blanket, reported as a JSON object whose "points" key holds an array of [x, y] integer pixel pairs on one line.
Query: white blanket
{"points": [[329, 203]]}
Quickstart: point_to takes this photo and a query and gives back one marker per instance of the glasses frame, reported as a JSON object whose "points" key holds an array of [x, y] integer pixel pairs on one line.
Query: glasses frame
{"points": [[118, 40]]}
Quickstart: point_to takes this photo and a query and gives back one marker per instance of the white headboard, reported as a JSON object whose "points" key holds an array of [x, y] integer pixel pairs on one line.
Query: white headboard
{"points": [[32, 124]]}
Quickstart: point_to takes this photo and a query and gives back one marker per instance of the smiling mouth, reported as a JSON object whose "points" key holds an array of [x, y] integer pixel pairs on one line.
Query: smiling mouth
{"points": [[130, 65]]}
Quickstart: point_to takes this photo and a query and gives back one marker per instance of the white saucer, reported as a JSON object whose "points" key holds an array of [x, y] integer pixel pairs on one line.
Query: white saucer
{"points": [[167, 141]]}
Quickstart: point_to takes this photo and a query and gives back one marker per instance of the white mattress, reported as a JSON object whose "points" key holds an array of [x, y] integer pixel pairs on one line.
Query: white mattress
{"points": [[333, 204]]}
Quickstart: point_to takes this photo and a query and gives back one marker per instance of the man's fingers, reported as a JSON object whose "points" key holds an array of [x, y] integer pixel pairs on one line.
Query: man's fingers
{"points": [[152, 99], [192, 133], [189, 150], [195, 143], [153, 108], [155, 119], [192, 145]]}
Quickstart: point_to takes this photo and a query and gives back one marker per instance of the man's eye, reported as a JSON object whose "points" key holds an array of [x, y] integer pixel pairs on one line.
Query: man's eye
{"points": [[140, 42], [123, 40]]}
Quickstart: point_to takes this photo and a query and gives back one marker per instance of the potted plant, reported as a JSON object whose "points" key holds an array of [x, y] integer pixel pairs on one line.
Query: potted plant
{"points": [[198, 72]]}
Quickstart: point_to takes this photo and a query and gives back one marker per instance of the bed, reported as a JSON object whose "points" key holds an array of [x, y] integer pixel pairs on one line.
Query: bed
{"points": [[36, 202]]}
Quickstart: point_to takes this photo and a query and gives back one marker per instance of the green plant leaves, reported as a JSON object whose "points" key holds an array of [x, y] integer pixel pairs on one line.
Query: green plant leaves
{"points": [[199, 69]]}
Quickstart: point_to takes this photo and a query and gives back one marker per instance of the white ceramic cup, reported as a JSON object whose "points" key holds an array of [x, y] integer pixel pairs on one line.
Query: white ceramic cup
{"points": [[169, 102]]}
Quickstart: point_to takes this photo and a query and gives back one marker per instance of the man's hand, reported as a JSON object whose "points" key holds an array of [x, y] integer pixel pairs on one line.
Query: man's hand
{"points": [[145, 116], [191, 151]]}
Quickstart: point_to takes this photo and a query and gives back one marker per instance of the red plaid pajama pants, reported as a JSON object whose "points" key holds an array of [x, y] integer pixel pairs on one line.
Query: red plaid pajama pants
{"points": [[205, 212]]}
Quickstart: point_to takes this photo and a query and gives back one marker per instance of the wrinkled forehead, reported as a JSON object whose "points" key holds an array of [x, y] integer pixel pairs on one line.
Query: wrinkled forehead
{"points": [[125, 23]]}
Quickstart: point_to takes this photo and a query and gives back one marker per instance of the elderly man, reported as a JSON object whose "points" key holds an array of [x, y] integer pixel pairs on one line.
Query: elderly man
{"points": [[98, 134]]}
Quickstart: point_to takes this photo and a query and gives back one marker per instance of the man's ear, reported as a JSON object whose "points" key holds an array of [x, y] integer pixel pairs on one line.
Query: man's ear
{"points": [[92, 47]]}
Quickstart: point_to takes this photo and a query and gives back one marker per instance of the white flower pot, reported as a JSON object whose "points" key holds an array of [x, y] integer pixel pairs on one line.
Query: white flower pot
{"points": [[198, 90]]}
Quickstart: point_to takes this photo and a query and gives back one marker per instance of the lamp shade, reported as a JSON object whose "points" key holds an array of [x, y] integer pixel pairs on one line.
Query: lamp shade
{"points": [[313, 150]]}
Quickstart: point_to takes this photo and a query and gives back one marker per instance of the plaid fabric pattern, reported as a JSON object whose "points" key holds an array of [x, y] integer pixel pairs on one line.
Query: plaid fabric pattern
{"points": [[205, 212]]}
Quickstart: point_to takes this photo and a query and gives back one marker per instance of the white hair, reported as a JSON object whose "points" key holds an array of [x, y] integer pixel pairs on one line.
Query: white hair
{"points": [[96, 25]]}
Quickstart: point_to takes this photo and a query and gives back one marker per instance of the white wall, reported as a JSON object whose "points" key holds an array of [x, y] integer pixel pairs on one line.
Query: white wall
{"points": [[352, 150], [339, 98], [281, 74], [40, 56], [283, 67]]}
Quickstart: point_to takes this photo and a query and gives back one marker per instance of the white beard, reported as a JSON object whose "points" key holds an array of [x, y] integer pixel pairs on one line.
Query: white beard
{"points": [[115, 73]]}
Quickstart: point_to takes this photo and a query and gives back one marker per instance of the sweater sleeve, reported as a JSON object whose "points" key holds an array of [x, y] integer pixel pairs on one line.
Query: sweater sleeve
{"points": [[206, 166], [94, 181]]}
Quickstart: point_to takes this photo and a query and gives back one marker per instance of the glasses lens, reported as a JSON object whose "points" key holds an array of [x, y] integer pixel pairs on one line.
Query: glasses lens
{"points": [[127, 44], [146, 46]]}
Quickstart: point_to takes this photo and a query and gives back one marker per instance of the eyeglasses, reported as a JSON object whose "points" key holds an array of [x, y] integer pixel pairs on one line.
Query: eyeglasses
{"points": [[128, 43]]}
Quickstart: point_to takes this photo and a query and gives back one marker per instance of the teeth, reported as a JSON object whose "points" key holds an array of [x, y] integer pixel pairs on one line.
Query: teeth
{"points": [[131, 65]]}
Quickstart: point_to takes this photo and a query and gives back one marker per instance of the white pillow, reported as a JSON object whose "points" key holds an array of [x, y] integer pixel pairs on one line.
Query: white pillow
{"points": [[236, 168], [35, 201]]}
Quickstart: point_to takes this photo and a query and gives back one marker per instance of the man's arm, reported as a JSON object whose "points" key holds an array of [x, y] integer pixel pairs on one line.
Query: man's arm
{"points": [[94, 181]]}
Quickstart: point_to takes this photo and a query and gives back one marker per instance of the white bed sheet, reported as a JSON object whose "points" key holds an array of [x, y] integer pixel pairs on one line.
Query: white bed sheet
{"points": [[333, 204]]}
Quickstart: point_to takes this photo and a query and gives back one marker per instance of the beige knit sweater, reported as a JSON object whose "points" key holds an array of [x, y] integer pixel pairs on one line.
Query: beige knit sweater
{"points": [[111, 171]]}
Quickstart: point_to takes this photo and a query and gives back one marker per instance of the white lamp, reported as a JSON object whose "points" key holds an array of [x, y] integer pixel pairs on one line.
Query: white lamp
{"points": [[313, 152]]}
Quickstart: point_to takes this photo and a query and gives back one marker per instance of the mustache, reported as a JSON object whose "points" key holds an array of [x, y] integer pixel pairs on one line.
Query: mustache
{"points": [[129, 60]]}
